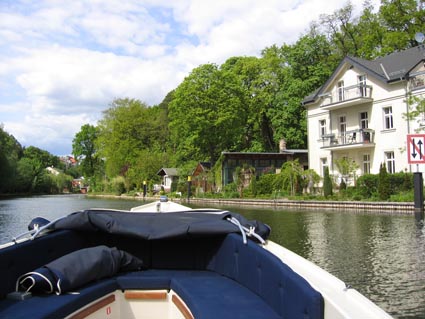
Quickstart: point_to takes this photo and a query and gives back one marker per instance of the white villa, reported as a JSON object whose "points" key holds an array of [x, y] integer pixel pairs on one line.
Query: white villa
{"points": [[358, 113]]}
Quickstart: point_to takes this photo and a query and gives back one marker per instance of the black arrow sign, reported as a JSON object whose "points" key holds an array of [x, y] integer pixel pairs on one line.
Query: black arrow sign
{"points": [[414, 148]]}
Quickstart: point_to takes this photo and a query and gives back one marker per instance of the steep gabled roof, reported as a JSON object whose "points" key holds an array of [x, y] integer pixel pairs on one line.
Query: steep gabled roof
{"points": [[390, 68], [167, 171]]}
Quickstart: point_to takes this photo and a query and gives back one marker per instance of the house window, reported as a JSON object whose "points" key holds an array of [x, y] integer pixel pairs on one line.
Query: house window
{"points": [[343, 128], [322, 128], [388, 118], [366, 163], [323, 165], [361, 80], [390, 162], [364, 120], [341, 91]]}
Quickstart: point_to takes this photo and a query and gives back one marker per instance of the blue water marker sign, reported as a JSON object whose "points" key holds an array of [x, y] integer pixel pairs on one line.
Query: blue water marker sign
{"points": [[416, 148]]}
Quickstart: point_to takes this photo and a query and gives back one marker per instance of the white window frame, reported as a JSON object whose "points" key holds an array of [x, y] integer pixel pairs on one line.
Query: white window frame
{"points": [[322, 127], [361, 80], [340, 91], [342, 123], [364, 122], [366, 163], [390, 161], [387, 113], [323, 164]]}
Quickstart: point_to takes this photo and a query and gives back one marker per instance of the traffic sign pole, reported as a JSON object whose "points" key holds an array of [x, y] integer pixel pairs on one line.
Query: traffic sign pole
{"points": [[415, 155]]}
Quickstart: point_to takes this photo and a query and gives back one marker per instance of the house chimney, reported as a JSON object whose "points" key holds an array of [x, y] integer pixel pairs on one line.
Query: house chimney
{"points": [[282, 145]]}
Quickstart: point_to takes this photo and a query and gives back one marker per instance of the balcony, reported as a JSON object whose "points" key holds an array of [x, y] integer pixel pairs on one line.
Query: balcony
{"points": [[417, 81], [360, 138], [347, 96]]}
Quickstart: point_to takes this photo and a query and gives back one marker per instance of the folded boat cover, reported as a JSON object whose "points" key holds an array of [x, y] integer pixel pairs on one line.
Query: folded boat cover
{"points": [[78, 268], [151, 226]]}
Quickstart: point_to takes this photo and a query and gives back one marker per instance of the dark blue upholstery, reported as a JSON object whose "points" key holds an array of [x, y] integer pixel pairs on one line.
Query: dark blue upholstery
{"points": [[253, 283], [290, 295], [210, 295]]}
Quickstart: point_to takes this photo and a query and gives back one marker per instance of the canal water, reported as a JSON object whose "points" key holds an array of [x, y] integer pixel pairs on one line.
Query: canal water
{"points": [[381, 255]]}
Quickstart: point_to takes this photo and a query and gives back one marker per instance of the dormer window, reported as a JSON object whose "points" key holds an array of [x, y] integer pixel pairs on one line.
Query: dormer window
{"points": [[340, 90], [417, 80]]}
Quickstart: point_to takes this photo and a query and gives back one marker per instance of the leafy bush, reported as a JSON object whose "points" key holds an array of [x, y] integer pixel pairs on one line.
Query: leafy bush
{"points": [[367, 185], [265, 184], [406, 196], [400, 182], [117, 185]]}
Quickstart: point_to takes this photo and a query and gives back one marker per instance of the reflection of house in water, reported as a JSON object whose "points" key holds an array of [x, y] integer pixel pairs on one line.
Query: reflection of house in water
{"points": [[169, 175], [201, 179], [261, 162]]}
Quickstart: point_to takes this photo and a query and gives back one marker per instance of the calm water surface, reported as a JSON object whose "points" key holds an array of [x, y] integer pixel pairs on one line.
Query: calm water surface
{"points": [[382, 256]]}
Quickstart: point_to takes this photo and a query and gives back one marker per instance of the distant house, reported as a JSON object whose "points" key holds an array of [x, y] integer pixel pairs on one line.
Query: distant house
{"points": [[53, 171], [261, 162], [200, 177], [169, 175]]}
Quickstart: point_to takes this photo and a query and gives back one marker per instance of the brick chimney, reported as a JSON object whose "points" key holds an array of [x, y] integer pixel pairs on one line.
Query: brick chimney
{"points": [[282, 145]]}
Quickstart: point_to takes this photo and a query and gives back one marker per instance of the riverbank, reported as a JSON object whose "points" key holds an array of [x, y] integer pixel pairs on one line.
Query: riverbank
{"points": [[405, 208]]}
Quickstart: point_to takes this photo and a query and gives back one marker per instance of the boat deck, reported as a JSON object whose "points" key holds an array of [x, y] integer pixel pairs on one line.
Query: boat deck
{"points": [[215, 277]]}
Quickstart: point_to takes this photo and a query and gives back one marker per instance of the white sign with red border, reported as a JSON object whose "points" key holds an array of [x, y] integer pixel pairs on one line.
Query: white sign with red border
{"points": [[416, 148]]}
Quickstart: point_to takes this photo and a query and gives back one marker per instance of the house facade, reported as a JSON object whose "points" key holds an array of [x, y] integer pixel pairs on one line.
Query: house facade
{"points": [[168, 175], [261, 162], [359, 113]]}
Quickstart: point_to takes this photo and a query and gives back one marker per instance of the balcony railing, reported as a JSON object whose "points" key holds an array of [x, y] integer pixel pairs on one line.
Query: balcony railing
{"points": [[355, 138], [417, 81], [348, 93]]}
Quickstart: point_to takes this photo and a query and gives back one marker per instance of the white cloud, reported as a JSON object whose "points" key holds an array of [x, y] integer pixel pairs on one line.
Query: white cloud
{"points": [[62, 63]]}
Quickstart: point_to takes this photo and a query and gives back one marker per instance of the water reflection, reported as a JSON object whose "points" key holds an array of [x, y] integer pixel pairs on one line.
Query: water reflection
{"points": [[382, 256]]}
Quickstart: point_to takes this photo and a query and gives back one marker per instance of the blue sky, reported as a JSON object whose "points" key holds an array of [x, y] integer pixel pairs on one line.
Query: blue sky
{"points": [[63, 62]]}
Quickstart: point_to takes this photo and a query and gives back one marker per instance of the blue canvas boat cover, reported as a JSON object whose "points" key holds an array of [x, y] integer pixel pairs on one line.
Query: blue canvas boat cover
{"points": [[78, 268], [152, 226]]}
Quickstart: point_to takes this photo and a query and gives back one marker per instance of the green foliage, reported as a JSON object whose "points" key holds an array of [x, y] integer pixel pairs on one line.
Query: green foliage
{"points": [[10, 152], [311, 178], [290, 178], [116, 185], [327, 183], [206, 114], [346, 166], [84, 148], [367, 185], [416, 106], [265, 184], [127, 127], [384, 186]]}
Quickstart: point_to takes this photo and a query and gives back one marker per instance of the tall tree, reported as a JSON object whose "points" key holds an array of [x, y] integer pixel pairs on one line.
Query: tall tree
{"points": [[259, 81], [126, 127], [304, 66], [84, 148], [206, 114], [402, 18], [32, 170], [10, 153]]}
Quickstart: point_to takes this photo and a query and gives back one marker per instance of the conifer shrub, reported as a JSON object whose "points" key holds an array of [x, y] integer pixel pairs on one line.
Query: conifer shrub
{"points": [[327, 183], [384, 186]]}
